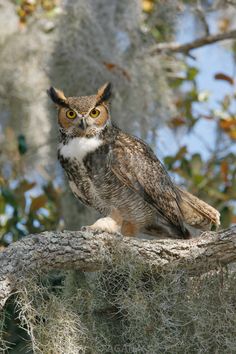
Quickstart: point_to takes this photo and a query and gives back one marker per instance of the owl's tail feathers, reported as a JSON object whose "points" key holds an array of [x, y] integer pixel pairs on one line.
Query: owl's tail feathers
{"points": [[197, 213]]}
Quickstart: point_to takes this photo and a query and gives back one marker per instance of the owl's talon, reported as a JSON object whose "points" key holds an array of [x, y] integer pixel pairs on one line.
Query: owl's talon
{"points": [[88, 232], [84, 228], [118, 234]]}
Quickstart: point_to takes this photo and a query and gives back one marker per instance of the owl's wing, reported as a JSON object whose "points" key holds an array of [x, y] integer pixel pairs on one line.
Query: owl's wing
{"points": [[135, 164]]}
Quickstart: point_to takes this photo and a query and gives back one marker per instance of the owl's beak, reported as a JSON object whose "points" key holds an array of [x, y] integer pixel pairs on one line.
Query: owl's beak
{"points": [[82, 123]]}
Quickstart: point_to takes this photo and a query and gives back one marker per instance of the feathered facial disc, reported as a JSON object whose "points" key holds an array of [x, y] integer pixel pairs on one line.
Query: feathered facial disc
{"points": [[85, 115]]}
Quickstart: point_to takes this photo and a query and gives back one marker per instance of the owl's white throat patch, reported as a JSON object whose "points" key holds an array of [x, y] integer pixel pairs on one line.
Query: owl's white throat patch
{"points": [[79, 147]]}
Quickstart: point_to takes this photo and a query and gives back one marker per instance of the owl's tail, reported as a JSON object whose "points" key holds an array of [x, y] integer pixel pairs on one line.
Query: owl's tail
{"points": [[197, 213]]}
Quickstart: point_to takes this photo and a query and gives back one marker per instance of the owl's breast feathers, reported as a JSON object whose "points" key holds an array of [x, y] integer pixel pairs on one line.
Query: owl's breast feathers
{"points": [[117, 168]]}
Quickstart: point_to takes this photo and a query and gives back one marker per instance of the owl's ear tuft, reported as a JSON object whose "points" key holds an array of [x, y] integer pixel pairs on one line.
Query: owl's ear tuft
{"points": [[104, 93], [57, 96]]}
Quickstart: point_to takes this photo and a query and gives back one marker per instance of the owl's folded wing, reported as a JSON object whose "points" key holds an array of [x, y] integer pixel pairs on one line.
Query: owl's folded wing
{"points": [[135, 165]]}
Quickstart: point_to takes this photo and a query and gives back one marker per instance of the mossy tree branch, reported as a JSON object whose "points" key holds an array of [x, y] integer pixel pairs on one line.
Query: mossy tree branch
{"points": [[90, 251]]}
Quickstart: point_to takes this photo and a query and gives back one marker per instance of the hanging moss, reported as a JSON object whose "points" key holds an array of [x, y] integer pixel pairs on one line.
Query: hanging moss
{"points": [[129, 309]]}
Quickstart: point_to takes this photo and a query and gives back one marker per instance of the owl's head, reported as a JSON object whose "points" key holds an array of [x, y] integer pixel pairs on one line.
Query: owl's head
{"points": [[84, 115]]}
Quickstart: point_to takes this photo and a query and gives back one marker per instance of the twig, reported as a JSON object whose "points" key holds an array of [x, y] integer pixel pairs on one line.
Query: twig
{"points": [[201, 15], [197, 43]]}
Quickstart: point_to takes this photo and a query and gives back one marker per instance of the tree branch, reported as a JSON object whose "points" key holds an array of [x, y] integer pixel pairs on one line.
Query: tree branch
{"points": [[197, 43], [89, 251]]}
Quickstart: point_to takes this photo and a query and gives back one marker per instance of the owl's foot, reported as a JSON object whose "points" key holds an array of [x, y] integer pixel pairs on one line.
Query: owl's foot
{"points": [[106, 224], [88, 230]]}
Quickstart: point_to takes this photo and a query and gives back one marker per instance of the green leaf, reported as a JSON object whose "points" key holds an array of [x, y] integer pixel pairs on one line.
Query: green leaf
{"points": [[2, 205], [181, 153], [169, 160], [226, 216], [22, 145], [8, 196], [196, 164], [185, 167], [198, 179], [192, 73], [176, 82], [21, 201]]}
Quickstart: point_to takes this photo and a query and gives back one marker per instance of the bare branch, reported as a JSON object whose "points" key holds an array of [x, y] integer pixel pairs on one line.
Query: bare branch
{"points": [[201, 15], [89, 251], [197, 43]]}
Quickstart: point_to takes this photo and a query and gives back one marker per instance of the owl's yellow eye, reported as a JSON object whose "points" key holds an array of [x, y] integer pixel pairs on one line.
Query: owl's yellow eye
{"points": [[94, 113], [71, 114]]}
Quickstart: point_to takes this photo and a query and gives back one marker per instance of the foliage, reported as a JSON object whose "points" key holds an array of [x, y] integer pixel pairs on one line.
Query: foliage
{"points": [[211, 178], [158, 20], [26, 206], [26, 8]]}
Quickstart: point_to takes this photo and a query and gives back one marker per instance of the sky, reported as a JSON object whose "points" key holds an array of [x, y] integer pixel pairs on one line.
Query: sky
{"points": [[210, 60]]}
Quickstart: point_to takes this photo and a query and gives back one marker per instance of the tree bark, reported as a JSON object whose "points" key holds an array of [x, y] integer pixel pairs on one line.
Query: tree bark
{"points": [[91, 251]]}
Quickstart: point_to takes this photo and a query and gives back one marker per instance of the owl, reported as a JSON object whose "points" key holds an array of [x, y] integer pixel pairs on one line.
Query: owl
{"points": [[119, 175]]}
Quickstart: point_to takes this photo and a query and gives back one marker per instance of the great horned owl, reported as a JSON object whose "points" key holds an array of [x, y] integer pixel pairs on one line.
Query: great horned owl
{"points": [[119, 175]]}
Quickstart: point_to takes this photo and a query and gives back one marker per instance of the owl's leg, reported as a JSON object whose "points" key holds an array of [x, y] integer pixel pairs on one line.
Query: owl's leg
{"points": [[111, 223], [129, 228]]}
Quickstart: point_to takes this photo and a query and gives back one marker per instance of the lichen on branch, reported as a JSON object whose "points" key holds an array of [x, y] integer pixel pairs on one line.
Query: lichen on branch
{"points": [[91, 251]]}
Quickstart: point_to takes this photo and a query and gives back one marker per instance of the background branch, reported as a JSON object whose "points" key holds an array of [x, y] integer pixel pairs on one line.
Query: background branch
{"points": [[89, 251], [201, 13], [197, 43]]}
